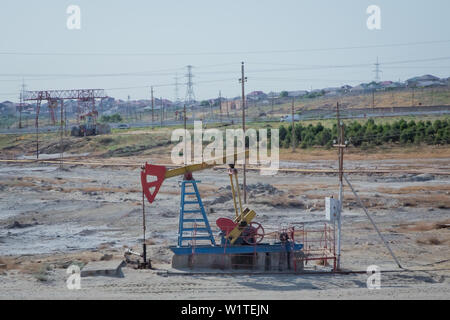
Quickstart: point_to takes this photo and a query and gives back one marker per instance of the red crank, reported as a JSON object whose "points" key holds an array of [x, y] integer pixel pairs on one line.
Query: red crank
{"points": [[253, 234]]}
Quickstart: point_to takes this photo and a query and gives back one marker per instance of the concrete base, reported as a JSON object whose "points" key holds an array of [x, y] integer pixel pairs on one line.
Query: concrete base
{"points": [[104, 268], [259, 261]]}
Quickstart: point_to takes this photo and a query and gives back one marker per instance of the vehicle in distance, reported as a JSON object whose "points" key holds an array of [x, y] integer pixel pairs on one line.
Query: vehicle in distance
{"points": [[289, 118]]}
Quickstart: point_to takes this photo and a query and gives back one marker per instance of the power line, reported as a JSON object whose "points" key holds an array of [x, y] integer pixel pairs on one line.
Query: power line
{"points": [[157, 73], [147, 86], [405, 44]]}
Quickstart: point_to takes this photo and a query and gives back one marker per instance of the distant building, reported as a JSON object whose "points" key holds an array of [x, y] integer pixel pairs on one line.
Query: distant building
{"points": [[296, 94], [331, 91], [256, 96], [386, 83], [424, 81], [346, 88], [273, 95], [358, 88], [7, 108], [396, 85], [231, 105]]}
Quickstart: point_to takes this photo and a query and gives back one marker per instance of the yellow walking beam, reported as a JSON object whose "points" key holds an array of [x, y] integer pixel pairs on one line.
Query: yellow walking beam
{"points": [[200, 166]]}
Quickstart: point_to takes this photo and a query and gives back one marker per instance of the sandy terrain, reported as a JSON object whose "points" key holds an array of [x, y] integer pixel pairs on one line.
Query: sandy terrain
{"points": [[50, 218]]}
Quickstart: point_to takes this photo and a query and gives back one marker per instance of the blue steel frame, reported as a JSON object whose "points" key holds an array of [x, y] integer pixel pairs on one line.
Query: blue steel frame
{"points": [[204, 219]]}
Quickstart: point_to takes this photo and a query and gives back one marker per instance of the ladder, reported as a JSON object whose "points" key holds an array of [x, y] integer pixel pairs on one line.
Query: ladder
{"points": [[197, 220]]}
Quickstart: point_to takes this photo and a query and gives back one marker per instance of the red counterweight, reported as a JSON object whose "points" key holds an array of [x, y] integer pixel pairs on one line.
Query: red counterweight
{"points": [[159, 173]]}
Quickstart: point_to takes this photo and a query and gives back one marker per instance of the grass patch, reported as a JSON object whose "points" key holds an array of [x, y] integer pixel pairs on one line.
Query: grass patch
{"points": [[430, 241], [424, 226], [281, 202], [42, 274]]}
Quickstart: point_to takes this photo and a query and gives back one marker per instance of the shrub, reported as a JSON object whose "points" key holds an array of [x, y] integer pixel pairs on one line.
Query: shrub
{"points": [[368, 134]]}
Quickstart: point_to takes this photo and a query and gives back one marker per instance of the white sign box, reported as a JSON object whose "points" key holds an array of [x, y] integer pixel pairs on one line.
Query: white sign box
{"points": [[331, 209]]}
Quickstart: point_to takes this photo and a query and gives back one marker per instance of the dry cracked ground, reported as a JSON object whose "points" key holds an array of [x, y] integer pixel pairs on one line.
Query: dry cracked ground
{"points": [[51, 218]]}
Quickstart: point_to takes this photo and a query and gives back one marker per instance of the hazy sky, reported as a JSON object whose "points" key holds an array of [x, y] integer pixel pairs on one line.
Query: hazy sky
{"points": [[135, 44]]}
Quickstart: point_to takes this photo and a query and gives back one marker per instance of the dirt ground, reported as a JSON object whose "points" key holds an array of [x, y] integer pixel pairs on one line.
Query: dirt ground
{"points": [[51, 218]]}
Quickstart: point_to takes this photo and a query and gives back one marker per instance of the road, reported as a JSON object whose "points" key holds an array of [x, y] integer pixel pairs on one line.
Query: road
{"points": [[310, 115]]}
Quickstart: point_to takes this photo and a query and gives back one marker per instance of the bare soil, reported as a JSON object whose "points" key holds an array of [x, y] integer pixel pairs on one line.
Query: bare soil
{"points": [[51, 218]]}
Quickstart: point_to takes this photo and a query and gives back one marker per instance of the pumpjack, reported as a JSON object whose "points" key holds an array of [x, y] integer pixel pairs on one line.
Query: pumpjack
{"points": [[239, 235]]}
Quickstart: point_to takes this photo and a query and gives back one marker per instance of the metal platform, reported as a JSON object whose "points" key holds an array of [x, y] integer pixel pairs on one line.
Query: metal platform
{"points": [[205, 249]]}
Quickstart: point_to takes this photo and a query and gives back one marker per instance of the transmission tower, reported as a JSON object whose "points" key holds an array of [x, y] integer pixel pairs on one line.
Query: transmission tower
{"points": [[377, 71], [21, 104], [177, 91], [190, 96]]}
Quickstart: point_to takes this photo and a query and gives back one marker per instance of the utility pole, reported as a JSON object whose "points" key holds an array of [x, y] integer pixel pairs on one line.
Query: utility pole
{"points": [[65, 120], [128, 108], [293, 126], [341, 145], [243, 80], [211, 110], [153, 107], [162, 111], [176, 89], [61, 135], [175, 105], [38, 106], [220, 106], [373, 98], [228, 110], [185, 143], [21, 105], [272, 103]]}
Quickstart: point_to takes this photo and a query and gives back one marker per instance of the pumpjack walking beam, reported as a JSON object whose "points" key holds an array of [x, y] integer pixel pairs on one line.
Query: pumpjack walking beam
{"points": [[161, 173]]}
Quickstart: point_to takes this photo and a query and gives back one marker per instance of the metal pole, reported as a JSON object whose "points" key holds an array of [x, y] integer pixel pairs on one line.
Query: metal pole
{"points": [[20, 116], [373, 223], [293, 126], [153, 115], [144, 245], [341, 198], [373, 98], [38, 106], [65, 120], [228, 111], [162, 111], [341, 165], [220, 105], [272, 103], [243, 79], [211, 113], [185, 142], [61, 135]]}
